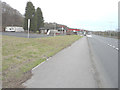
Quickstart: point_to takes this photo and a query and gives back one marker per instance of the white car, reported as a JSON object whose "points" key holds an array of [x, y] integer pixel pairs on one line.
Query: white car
{"points": [[89, 35]]}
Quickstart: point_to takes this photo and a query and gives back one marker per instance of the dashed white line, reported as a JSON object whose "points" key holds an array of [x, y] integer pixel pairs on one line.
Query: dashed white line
{"points": [[110, 45], [117, 48], [113, 46]]}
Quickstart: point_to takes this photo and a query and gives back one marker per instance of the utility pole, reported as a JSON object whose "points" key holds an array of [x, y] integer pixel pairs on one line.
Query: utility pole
{"points": [[28, 26]]}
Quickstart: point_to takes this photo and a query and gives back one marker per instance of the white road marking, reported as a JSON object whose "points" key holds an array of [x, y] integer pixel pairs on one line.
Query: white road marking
{"points": [[38, 65], [48, 59], [117, 48], [113, 46], [41, 63]]}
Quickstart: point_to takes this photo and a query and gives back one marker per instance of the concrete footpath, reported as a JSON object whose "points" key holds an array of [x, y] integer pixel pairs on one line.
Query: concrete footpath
{"points": [[70, 68]]}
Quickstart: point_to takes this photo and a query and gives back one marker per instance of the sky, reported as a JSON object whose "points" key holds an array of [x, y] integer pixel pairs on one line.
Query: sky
{"points": [[93, 15]]}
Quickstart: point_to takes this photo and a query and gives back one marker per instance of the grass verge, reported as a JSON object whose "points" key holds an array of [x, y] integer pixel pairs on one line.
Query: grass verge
{"points": [[20, 55]]}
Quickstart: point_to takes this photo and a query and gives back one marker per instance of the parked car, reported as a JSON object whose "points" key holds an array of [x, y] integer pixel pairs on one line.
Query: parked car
{"points": [[14, 29]]}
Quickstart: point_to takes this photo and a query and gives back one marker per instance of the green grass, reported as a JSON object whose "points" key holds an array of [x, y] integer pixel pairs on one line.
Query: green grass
{"points": [[20, 55]]}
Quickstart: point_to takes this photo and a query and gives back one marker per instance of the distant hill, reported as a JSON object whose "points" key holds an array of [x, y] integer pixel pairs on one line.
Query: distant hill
{"points": [[11, 16]]}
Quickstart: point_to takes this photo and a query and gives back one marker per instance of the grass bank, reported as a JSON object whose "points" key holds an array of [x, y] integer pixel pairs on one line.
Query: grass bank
{"points": [[20, 55]]}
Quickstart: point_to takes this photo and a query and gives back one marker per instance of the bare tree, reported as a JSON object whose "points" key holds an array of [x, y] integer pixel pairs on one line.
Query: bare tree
{"points": [[10, 16]]}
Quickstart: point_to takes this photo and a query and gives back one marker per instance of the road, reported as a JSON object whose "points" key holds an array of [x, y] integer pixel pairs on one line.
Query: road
{"points": [[105, 53], [22, 34], [70, 68]]}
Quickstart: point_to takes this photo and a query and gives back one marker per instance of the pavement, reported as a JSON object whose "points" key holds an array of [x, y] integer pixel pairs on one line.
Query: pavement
{"points": [[70, 68], [105, 55]]}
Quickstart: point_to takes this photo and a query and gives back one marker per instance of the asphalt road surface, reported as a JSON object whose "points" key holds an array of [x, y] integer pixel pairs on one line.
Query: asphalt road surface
{"points": [[23, 34], [70, 68], [105, 55]]}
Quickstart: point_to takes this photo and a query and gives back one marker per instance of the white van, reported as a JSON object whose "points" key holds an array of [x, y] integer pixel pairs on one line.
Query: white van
{"points": [[14, 29]]}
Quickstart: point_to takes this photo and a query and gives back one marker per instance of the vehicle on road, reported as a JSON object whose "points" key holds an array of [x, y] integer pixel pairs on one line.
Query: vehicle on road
{"points": [[89, 35]]}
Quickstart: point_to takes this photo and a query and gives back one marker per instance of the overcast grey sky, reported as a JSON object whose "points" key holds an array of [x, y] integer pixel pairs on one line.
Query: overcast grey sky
{"points": [[84, 14]]}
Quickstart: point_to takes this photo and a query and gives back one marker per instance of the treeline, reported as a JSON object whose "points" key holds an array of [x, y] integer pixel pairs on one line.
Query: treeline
{"points": [[115, 34], [54, 25], [35, 16], [10, 16]]}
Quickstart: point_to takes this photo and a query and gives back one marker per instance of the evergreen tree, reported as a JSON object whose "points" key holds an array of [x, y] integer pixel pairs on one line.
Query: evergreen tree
{"points": [[25, 26], [29, 14], [35, 17], [35, 22], [40, 20]]}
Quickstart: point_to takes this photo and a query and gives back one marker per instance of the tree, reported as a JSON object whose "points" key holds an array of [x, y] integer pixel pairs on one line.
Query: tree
{"points": [[35, 17], [35, 22], [40, 21], [10, 16], [29, 14]]}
